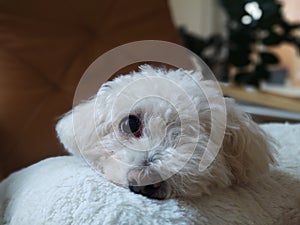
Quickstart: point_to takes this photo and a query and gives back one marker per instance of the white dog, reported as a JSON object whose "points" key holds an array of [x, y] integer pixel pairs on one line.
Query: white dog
{"points": [[157, 131]]}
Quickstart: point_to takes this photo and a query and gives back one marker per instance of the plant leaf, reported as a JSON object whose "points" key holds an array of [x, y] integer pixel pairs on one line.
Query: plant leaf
{"points": [[246, 78], [268, 58], [239, 59], [273, 39]]}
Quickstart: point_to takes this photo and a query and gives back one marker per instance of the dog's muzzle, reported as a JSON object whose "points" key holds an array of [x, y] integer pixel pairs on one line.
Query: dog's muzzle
{"points": [[146, 182]]}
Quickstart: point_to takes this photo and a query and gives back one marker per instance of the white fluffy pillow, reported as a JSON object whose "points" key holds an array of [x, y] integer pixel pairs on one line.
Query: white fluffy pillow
{"points": [[65, 190]]}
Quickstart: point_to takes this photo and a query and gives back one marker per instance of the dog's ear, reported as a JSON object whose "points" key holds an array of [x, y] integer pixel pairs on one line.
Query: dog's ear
{"points": [[76, 127], [248, 150]]}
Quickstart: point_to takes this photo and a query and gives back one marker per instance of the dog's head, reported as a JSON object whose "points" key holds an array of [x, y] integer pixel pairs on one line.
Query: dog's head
{"points": [[149, 131]]}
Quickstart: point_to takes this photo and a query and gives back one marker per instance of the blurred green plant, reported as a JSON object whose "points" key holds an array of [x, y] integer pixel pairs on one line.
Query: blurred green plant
{"points": [[253, 26]]}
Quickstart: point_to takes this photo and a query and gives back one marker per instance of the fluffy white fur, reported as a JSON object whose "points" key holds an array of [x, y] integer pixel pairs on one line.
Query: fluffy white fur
{"points": [[173, 139], [66, 190]]}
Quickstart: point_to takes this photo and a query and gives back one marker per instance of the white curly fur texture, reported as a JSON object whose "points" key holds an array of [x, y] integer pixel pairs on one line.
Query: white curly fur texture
{"points": [[66, 190], [174, 136]]}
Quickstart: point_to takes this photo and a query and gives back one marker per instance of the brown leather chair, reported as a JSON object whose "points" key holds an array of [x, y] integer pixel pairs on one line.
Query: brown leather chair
{"points": [[45, 47]]}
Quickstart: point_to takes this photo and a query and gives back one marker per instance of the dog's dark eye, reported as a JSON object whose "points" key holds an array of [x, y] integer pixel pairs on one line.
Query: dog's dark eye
{"points": [[131, 125]]}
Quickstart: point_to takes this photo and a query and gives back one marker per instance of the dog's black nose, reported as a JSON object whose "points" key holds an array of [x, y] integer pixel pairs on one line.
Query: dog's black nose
{"points": [[148, 190], [146, 181]]}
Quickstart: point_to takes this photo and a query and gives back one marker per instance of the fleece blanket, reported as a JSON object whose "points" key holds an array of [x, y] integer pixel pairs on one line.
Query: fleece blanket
{"points": [[65, 190]]}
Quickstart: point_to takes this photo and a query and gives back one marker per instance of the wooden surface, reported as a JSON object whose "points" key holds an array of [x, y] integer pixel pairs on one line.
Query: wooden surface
{"points": [[265, 99]]}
